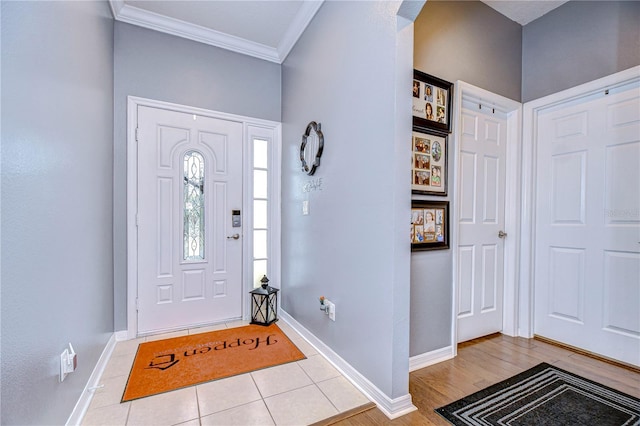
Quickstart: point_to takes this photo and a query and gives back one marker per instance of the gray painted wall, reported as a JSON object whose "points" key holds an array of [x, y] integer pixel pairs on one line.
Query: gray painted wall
{"points": [[467, 41], [57, 142], [351, 247], [579, 42], [159, 66]]}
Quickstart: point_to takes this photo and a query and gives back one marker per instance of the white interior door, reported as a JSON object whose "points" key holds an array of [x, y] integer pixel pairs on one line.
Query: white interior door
{"points": [[481, 218], [189, 253], [587, 252]]}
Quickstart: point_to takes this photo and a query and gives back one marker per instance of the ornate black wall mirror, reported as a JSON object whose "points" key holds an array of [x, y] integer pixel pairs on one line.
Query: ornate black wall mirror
{"points": [[311, 148]]}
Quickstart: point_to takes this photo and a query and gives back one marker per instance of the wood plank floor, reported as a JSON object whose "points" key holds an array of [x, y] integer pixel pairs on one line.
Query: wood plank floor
{"points": [[485, 361]]}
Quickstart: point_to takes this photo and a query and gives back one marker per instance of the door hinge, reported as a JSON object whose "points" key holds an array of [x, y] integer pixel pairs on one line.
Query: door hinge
{"points": [[137, 304], [137, 134], [137, 220]]}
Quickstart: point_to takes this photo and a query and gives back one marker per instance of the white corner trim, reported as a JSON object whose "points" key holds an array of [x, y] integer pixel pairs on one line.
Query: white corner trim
{"points": [[470, 92], [392, 408], [116, 7], [302, 19], [134, 101], [580, 91], [87, 394], [429, 358], [154, 21], [132, 201], [122, 335]]}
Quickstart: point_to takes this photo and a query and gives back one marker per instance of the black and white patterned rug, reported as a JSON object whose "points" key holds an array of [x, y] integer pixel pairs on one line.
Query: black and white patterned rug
{"points": [[545, 395]]}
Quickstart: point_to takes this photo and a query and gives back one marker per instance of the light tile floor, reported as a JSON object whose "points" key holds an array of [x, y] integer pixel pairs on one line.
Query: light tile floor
{"points": [[298, 393]]}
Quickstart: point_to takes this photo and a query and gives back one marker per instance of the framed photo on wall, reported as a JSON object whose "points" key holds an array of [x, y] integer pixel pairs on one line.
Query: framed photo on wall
{"points": [[429, 225], [431, 102], [429, 153]]}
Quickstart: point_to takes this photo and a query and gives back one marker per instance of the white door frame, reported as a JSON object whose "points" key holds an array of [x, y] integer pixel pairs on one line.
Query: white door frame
{"points": [[513, 109], [251, 126], [532, 110]]}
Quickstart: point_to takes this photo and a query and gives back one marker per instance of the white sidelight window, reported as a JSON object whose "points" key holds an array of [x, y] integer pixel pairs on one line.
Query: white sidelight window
{"points": [[264, 202], [260, 209]]}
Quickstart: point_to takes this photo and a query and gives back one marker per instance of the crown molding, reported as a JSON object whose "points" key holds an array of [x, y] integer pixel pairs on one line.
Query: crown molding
{"points": [[154, 21], [302, 19], [133, 15], [116, 6]]}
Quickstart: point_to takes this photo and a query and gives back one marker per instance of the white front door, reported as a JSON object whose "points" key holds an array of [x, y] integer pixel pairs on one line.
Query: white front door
{"points": [[189, 253], [481, 218], [587, 252]]}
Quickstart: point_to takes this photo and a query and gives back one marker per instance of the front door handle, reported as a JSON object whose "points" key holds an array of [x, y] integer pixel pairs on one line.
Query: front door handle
{"points": [[234, 236], [502, 234]]}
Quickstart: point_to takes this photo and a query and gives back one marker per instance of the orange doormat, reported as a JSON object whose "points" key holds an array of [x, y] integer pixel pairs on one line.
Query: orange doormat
{"points": [[170, 364]]}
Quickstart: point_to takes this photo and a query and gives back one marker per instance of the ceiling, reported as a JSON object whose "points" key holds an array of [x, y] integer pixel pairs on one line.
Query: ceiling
{"points": [[266, 29], [524, 11]]}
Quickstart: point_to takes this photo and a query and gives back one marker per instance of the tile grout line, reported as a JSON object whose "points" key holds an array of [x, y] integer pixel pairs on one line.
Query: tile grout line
{"points": [[316, 384], [126, 422], [262, 398], [328, 399], [198, 406]]}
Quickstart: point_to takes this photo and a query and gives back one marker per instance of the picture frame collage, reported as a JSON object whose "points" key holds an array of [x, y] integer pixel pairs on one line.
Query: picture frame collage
{"points": [[431, 102], [429, 164], [432, 109], [429, 225]]}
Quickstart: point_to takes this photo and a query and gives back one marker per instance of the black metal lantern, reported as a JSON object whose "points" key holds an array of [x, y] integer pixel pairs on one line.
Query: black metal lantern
{"points": [[264, 303]]}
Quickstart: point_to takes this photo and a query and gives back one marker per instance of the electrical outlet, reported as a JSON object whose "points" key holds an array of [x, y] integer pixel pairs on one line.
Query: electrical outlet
{"points": [[325, 306], [68, 362]]}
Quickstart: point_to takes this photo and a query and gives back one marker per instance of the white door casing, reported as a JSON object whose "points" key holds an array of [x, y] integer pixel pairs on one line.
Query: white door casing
{"points": [[587, 223], [251, 128], [487, 166], [176, 290]]}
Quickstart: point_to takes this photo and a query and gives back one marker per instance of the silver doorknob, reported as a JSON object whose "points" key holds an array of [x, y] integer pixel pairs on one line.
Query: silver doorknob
{"points": [[234, 236], [502, 234]]}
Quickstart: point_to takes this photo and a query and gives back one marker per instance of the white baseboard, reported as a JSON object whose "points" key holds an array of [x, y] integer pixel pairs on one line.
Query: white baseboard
{"points": [[87, 394], [122, 335], [429, 358], [392, 408]]}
